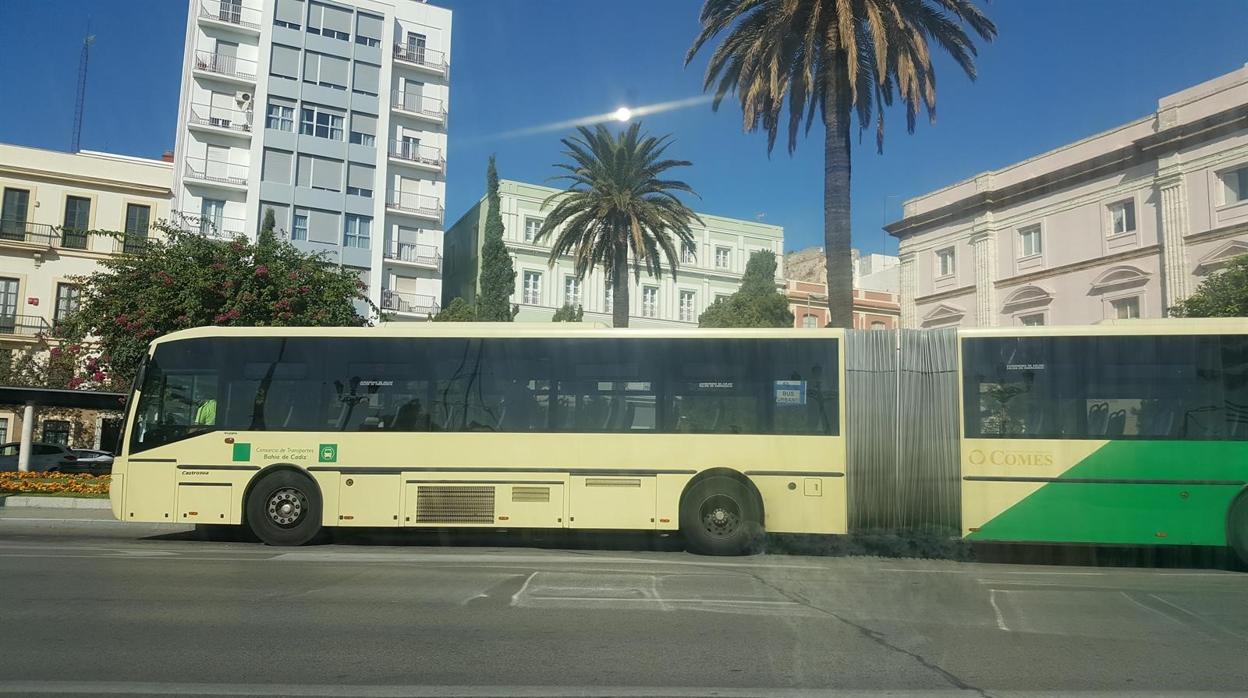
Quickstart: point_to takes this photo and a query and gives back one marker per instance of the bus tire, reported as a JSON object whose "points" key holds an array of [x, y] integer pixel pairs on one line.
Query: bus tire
{"points": [[284, 508], [721, 516], [1237, 527]]}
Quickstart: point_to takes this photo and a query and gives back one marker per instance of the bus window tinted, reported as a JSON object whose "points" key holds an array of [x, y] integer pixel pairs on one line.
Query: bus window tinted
{"points": [[1123, 387]]}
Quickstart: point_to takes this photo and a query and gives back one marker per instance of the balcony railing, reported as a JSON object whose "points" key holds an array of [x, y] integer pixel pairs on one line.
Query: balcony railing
{"points": [[232, 66], [218, 227], [417, 103], [424, 57], [230, 12], [12, 324], [73, 239], [415, 303], [33, 233], [216, 171], [220, 117], [419, 204], [130, 243], [416, 254], [417, 153]]}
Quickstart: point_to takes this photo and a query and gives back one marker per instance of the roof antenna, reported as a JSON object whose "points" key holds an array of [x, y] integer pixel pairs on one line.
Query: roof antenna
{"points": [[82, 86]]}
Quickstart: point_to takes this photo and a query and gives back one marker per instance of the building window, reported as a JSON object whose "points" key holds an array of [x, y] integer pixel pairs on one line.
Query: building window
{"points": [[1126, 308], [650, 301], [138, 220], [67, 300], [1235, 186], [367, 40], [13, 214], [721, 297], [688, 252], [723, 257], [571, 291], [281, 117], [688, 306], [944, 262], [299, 231], [357, 229], [1029, 241], [608, 299], [4, 429], [56, 431], [315, 121], [1122, 217], [1033, 320], [360, 191], [810, 321], [531, 226], [877, 325], [532, 288], [363, 138], [77, 222]]}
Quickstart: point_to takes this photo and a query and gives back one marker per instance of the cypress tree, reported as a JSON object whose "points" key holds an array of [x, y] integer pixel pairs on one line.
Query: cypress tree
{"points": [[498, 275]]}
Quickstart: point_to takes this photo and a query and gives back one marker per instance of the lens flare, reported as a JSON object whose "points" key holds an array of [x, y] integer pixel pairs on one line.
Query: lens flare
{"points": [[623, 114]]}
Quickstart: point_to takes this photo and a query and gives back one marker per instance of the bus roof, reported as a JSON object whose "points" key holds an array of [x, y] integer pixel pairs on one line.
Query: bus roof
{"points": [[1221, 325], [502, 329]]}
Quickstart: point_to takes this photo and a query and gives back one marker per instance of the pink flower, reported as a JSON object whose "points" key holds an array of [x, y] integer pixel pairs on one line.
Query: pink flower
{"points": [[98, 376], [75, 382], [293, 275], [55, 352], [262, 270]]}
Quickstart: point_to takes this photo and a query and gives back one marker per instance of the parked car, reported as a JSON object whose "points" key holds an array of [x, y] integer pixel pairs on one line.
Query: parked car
{"points": [[49, 457], [95, 462]]}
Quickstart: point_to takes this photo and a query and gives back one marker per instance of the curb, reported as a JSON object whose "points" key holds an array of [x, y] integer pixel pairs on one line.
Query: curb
{"points": [[17, 501]]}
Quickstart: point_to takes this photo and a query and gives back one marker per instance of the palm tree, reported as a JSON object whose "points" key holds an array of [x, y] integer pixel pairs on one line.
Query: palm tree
{"points": [[837, 57], [616, 206]]}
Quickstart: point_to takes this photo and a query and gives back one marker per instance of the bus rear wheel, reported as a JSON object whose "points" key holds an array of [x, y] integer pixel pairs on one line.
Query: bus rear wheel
{"points": [[1237, 527], [284, 508], [721, 516]]}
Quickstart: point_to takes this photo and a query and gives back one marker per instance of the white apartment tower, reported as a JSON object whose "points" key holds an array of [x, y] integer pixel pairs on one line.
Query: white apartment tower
{"points": [[333, 114]]}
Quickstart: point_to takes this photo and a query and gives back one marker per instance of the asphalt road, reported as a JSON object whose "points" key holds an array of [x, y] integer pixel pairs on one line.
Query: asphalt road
{"points": [[89, 606]]}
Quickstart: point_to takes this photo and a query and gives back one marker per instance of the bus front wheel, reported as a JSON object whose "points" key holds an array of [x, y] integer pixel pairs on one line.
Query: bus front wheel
{"points": [[721, 516], [284, 508], [1237, 527]]}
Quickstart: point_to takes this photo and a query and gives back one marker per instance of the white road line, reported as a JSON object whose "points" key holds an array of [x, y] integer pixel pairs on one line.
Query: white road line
{"points": [[608, 599], [515, 598], [1199, 618], [992, 599]]}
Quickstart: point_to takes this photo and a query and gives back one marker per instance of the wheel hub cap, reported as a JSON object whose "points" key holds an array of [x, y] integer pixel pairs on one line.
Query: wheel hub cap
{"points": [[286, 506], [721, 516]]}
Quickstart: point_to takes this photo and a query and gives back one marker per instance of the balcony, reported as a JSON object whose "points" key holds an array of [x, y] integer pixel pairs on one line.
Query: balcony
{"points": [[418, 105], [215, 172], [409, 303], [418, 205], [130, 243], [425, 157], [40, 234], [425, 256], [13, 325], [215, 227], [229, 67], [230, 14], [234, 122], [420, 57]]}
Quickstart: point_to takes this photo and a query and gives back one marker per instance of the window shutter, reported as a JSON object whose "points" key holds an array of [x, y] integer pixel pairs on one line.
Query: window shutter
{"points": [[359, 176], [367, 77], [276, 166], [304, 175], [337, 19], [334, 70], [327, 174], [281, 215], [290, 11], [311, 65], [323, 226], [368, 26], [364, 123], [315, 11], [285, 61]]}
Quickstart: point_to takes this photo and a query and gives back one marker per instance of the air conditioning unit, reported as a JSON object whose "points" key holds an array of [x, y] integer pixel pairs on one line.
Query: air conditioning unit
{"points": [[243, 99]]}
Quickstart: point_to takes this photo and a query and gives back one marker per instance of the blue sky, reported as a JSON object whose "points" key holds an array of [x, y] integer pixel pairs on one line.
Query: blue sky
{"points": [[1060, 70]]}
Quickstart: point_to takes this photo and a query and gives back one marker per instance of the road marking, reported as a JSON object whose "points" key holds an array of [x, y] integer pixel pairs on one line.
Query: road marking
{"points": [[992, 599], [1200, 619], [1152, 610], [515, 598]]}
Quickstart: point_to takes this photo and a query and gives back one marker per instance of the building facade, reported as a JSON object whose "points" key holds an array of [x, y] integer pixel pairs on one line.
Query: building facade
{"points": [[712, 268], [873, 309], [1123, 224], [331, 114], [51, 200]]}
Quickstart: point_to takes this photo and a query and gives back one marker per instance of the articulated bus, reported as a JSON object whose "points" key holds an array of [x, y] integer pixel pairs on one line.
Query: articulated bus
{"points": [[1130, 433], [712, 432]]}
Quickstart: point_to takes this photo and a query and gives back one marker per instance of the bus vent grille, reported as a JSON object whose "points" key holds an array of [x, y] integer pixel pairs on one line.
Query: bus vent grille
{"points": [[612, 482], [454, 504], [530, 494]]}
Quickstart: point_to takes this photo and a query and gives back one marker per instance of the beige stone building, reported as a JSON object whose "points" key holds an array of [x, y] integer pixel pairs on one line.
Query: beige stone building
{"points": [[1122, 224], [50, 200]]}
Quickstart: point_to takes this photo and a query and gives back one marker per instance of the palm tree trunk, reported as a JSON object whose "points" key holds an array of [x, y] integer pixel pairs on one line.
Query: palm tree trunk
{"points": [[619, 290], [836, 218]]}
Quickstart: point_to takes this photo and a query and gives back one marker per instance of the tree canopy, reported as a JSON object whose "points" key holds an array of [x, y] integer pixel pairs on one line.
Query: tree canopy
{"points": [[498, 274], [756, 304], [1224, 294]]}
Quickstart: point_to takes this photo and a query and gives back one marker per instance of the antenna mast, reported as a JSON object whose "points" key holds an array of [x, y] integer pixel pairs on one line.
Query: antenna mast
{"points": [[82, 86]]}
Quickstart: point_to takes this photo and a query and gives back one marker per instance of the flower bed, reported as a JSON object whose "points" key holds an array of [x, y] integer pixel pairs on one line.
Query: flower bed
{"points": [[59, 484]]}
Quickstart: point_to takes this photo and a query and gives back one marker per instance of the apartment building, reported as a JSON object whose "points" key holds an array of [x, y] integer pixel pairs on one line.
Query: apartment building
{"points": [[1123, 224], [50, 201], [331, 114], [873, 309], [709, 269]]}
